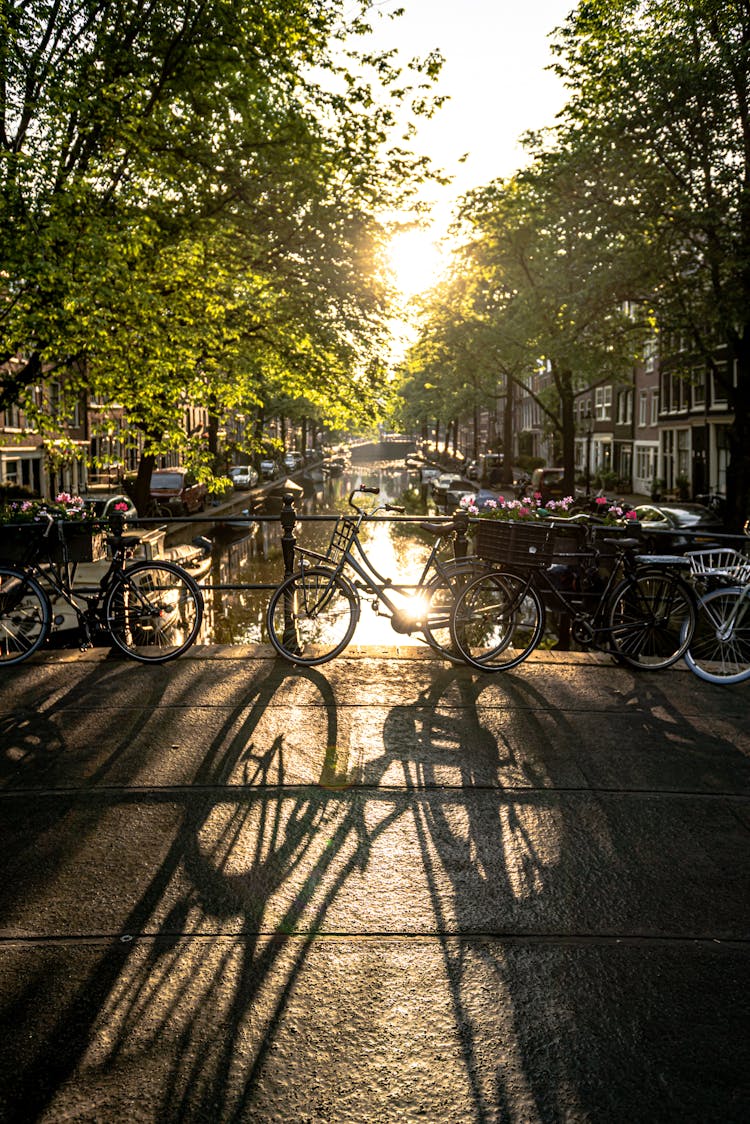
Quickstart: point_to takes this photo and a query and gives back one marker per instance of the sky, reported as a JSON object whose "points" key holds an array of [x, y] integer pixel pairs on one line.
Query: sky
{"points": [[495, 52]]}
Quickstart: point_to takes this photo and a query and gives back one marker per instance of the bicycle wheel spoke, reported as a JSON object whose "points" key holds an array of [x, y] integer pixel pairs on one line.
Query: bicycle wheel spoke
{"points": [[24, 617], [497, 622], [311, 617], [719, 651], [154, 612], [651, 620]]}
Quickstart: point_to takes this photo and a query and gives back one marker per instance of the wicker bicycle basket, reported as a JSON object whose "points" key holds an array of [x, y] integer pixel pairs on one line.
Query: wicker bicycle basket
{"points": [[515, 544], [344, 531], [720, 563]]}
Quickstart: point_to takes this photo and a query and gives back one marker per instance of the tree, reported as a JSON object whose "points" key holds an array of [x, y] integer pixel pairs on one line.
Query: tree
{"points": [[188, 193], [660, 90]]}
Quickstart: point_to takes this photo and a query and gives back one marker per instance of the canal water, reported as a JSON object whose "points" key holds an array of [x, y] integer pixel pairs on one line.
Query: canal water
{"points": [[236, 616]]}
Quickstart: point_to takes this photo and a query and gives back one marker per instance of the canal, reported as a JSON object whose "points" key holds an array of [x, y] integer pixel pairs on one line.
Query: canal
{"points": [[236, 616]]}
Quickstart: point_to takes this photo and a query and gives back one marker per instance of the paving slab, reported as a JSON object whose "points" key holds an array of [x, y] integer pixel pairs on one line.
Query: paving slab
{"points": [[386, 889]]}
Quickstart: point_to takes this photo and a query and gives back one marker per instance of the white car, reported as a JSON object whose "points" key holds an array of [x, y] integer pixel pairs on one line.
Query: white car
{"points": [[243, 476], [293, 460]]}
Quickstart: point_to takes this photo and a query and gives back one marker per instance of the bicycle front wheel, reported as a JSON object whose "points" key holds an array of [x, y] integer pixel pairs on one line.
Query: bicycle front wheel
{"points": [[25, 616], [154, 611], [651, 620], [497, 621], [311, 617], [719, 651]]}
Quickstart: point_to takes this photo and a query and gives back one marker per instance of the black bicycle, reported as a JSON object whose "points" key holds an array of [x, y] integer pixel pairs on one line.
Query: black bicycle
{"points": [[312, 615], [151, 610], [642, 611]]}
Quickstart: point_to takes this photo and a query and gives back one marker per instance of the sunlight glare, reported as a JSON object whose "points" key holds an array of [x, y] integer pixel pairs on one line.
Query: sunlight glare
{"points": [[416, 260]]}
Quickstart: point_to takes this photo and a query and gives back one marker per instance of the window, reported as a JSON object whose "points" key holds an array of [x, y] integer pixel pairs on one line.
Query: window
{"points": [[698, 386], [654, 407], [625, 407], [718, 384], [603, 403], [643, 408]]}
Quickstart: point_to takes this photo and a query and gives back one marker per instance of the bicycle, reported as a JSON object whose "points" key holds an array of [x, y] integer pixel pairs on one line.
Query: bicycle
{"points": [[643, 613], [152, 611], [312, 615], [719, 650]]}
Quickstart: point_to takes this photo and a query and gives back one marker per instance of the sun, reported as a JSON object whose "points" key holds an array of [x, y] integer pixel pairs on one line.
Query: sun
{"points": [[416, 259]]}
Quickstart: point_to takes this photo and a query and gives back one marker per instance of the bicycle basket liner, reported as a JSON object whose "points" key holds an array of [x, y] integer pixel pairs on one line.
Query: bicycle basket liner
{"points": [[724, 563], [517, 544], [344, 531]]}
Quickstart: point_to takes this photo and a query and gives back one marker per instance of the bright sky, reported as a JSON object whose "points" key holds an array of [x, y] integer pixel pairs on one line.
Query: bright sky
{"points": [[496, 52]]}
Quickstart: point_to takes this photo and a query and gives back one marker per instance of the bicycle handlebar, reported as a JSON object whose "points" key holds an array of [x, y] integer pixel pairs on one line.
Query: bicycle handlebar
{"points": [[361, 488]]}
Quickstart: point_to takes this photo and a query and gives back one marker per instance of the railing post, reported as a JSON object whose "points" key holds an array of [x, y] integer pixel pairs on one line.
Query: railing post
{"points": [[461, 542], [288, 519], [288, 541]]}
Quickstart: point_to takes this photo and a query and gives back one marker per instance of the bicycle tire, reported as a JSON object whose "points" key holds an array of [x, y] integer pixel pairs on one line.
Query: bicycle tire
{"points": [[154, 611], [497, 621], [440, 594], [311, 616], [651, 620], [25, 616], [719, 651]]}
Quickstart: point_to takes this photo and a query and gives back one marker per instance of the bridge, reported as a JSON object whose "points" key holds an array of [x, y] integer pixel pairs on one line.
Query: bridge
{"points": [[385, 889]]}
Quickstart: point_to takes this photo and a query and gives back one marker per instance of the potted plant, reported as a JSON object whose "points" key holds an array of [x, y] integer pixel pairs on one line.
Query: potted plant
{"points": [[682, 484], [657, 487]]}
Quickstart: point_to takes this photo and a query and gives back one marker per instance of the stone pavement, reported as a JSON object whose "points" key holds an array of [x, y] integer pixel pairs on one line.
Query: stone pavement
{"points": [[381, 890]]}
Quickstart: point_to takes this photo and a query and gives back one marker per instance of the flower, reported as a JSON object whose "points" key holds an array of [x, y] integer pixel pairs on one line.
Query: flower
{"points": [[64, 506], [521, 510]]}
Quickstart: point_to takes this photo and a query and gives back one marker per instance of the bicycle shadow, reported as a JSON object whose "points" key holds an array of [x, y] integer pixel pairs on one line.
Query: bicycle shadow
{"points": [[230, 916], [508, 892]]}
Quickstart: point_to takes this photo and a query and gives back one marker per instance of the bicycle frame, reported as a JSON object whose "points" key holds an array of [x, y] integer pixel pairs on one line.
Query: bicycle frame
{"points": [[590, 627]]}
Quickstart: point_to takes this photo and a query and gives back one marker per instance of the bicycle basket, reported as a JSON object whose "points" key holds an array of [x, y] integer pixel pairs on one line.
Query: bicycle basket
{"points": [[24, 542], [344, 531], [721, 563], [516, 544]]}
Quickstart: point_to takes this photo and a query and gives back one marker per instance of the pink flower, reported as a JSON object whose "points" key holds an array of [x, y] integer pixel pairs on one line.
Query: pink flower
{"points": [[631, 515], [121, 507], [537, 495], [601, 499]]}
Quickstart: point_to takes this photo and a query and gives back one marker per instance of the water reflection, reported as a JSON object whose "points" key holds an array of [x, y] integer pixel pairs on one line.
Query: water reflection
{"points": [[236, 616]]}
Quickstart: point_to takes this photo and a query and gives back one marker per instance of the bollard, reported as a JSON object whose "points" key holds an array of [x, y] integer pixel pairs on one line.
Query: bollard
{"points": [[288, 519]]}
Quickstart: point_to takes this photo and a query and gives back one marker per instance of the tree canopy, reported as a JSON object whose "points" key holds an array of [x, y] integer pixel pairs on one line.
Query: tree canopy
{"points": [[189, 194]]}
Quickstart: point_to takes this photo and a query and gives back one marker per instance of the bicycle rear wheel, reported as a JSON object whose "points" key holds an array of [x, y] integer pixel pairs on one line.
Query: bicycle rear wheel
{"points": [[719, 651], [154, 611], [497, 621], [651, 620], [25, 616], [439, 596], [312, 615]]}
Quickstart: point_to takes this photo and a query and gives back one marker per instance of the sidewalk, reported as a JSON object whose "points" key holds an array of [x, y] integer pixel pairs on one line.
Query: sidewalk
{"points": [[381, 890]]}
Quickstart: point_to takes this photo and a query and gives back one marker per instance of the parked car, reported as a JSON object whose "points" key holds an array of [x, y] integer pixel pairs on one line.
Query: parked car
{"points": [[243, 476], [178, 490], [549, 483], [102, 506], [449, 482], [269, 469], [293, 460], [689, 523]]}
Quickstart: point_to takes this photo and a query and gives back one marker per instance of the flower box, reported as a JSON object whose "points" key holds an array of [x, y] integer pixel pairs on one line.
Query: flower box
{"points": [[521, 543]]}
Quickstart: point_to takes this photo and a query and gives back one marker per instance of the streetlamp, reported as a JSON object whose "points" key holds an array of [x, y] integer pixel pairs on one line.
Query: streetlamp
{"points": [[588, 431]]}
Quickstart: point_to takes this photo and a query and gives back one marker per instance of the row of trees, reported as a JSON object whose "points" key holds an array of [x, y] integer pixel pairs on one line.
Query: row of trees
{"points": [[631, 218], [189, 193]]}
